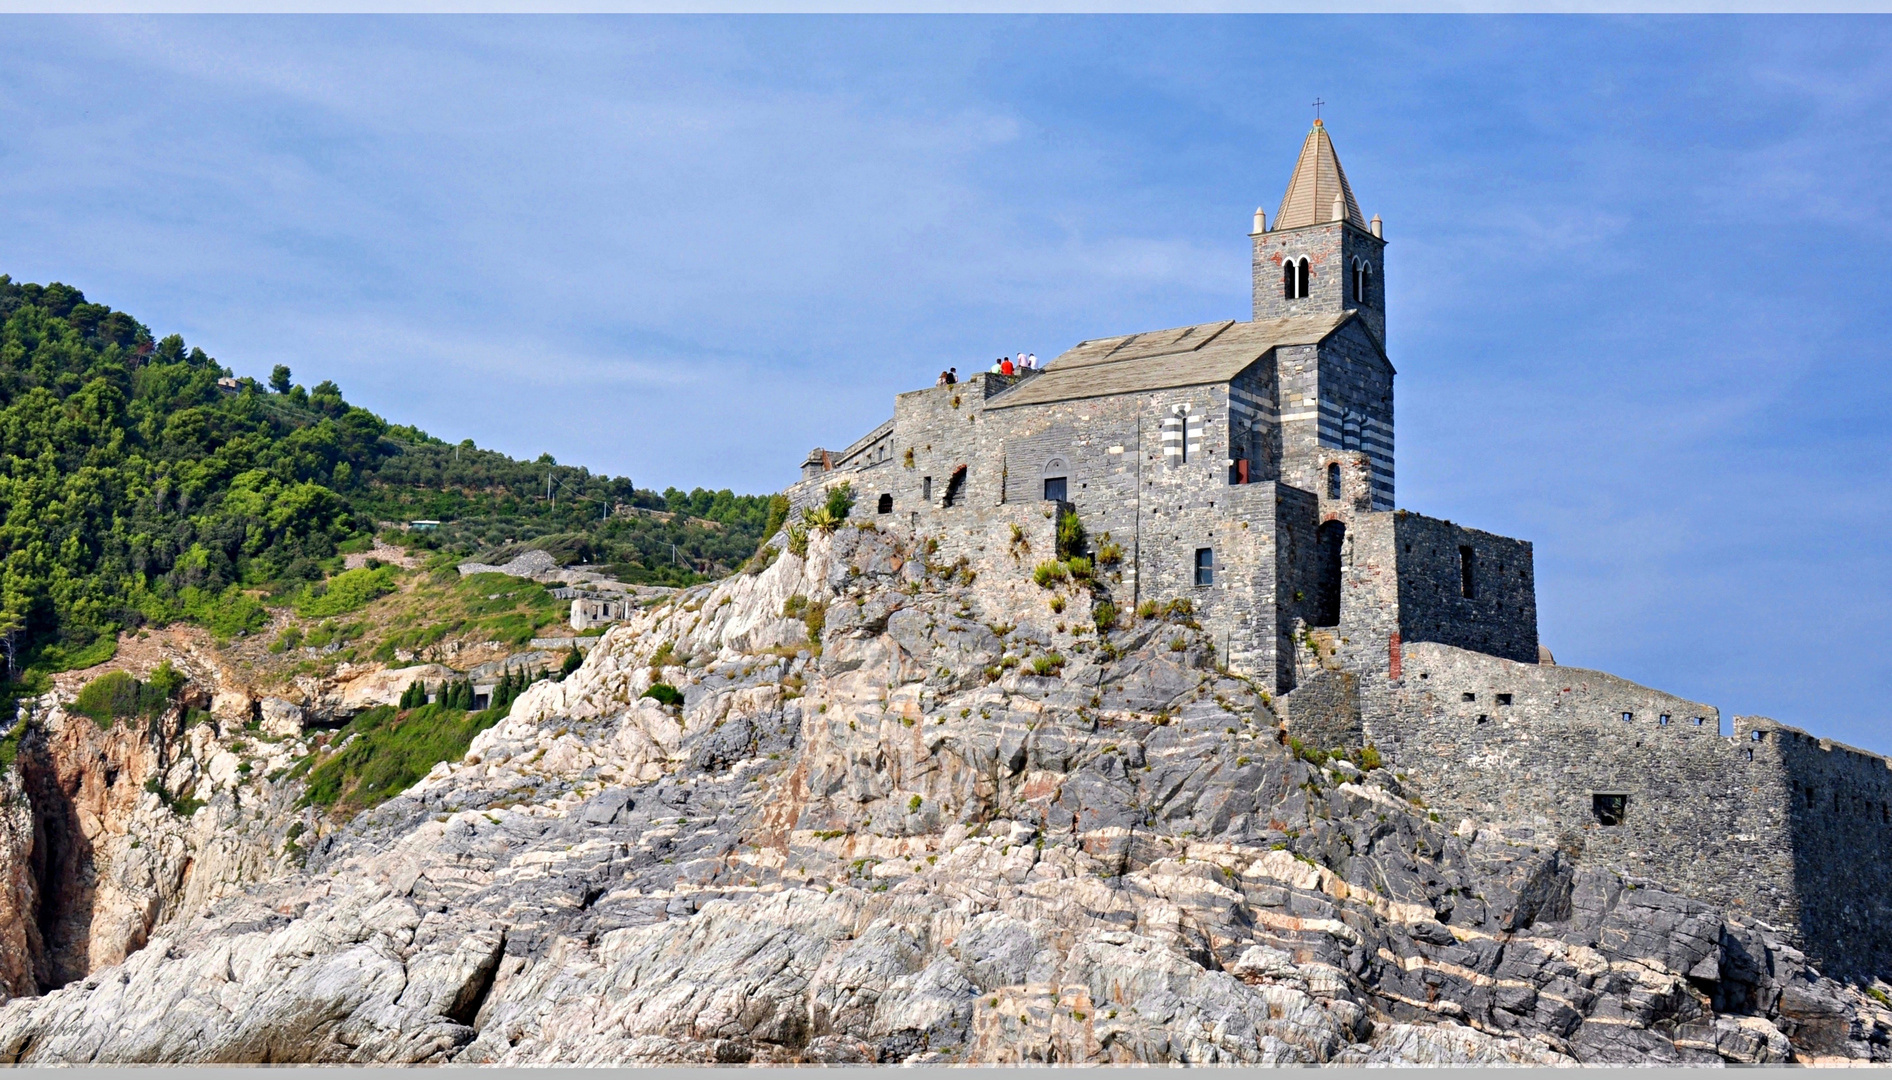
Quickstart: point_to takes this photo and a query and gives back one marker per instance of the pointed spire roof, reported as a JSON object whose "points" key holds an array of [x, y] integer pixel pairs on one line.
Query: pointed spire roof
{"points": [[1316, 181]]}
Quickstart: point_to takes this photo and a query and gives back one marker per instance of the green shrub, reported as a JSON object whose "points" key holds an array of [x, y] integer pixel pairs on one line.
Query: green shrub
{"points": [[48, 659], [572, 662], [1048, 664], [10, 746], [1109, 552], [664, 694], [181, 806], [1370, 758], [662, 657], [1049, 575], [840, 501], [795, 606], [778, 516], [1104, 615], [798, 541], [761, 560], [350, 590], [1148, 609], [1309, 754], [227, 614], [116, 695], [1070, 535], [816, 620]]}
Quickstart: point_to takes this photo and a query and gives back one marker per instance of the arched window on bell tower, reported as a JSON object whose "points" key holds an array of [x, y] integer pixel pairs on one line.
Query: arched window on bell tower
{"points": [[1362, 275], [1301, 266], [1287, 280]]}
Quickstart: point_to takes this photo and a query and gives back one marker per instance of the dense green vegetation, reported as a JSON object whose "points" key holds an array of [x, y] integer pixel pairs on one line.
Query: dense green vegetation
{"points": [[118, 695], [392, 750], [393, 747], [140, 483]]}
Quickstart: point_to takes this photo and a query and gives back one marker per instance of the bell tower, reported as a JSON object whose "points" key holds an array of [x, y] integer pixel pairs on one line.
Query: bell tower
{"points": [[1319, 255]]}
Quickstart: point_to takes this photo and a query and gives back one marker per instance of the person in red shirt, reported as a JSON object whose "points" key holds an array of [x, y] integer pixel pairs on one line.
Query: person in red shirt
{"points": [[1006, 368]]}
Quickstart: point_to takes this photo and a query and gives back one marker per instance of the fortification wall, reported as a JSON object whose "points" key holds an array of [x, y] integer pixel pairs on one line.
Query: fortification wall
{"points": [[1500, 615], [936, 432], [1839, 814], [1537, 749]]}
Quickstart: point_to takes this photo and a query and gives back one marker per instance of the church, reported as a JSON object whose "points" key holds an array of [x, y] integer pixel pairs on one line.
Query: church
{"points": [[1243, 464], [1244, 469]]}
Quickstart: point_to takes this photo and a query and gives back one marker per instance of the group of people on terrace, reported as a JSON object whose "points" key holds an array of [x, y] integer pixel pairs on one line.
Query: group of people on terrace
{"points": [[1004, 365]]}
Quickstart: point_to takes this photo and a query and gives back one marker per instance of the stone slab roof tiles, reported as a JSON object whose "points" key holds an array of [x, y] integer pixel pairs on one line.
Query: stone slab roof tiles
{"points": [[1160, 359], [1317, 178]]}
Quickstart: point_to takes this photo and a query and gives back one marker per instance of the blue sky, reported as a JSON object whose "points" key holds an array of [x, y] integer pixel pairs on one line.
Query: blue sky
{"points": [[1637, 274]]}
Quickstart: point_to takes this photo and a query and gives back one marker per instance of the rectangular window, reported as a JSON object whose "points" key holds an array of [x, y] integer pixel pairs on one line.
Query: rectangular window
{"points": [[1504, 699], [1628, 716], [1663, 720], [1468, 696], [1055, 488], [1467, 573], [1609, 809], [1205, 566], [926, 488]]}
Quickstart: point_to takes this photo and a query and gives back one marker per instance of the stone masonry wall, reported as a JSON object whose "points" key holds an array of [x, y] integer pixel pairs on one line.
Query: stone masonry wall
{"points": [[936, 431], [1255, 423], [1336, 400], [1529, 747], [1329, 248], [1840, 820], [1500, 617]]}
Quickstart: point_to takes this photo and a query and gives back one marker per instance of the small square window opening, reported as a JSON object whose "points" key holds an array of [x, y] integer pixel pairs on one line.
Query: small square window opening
{"points": [[1609, 809]]}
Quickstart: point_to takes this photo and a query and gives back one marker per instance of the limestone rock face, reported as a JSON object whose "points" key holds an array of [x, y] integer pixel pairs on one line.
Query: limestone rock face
{"points": [[385, 687], [874, 830], [110, 833], [281, 718]]}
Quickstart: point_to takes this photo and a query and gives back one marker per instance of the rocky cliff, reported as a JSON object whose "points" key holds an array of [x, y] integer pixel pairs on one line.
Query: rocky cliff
{"points": [[903, 811]]}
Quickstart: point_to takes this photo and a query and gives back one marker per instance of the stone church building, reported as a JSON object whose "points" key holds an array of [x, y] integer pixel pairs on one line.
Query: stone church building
{"points": [[1247, 466]]}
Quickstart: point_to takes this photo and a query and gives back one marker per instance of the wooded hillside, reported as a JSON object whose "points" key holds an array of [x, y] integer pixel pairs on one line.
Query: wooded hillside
{"points": [[136, 488]]}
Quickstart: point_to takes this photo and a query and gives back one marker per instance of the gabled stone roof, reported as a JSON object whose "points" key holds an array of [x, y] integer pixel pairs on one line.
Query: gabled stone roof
{"points": [[1160, 359], [1317, 177]]}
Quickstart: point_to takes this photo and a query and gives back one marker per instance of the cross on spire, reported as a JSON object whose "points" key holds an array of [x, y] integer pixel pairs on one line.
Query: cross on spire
{"points": [[1317, 104]]}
